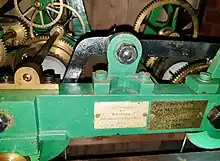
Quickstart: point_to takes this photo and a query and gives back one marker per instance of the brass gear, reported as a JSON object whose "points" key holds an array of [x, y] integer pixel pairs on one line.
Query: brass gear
{"points": [[193, 68], [59, 29], [12, 157], [154, 4], [150, 61], [37, 7], [3, 53], [20, 31], [8, 20], [60, 50], [65, 6]]}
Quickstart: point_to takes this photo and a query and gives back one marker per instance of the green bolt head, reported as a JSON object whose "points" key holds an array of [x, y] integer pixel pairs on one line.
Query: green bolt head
{"points": [[101, 75], [204, 76], [144, 76]]}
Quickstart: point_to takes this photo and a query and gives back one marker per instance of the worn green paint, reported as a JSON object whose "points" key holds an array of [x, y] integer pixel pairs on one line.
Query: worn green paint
{"points": [[78, 5], [46, 120]]}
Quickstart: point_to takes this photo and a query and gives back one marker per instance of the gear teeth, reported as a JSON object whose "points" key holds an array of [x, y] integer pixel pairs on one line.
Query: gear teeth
{"points": [[150, 61], [3, 52], [43, 38], [69, 45], [154, 4], [59, 44], [10, 20], [34, 40], [21, 16], [191, 68], [26, 29], [22, 31]]}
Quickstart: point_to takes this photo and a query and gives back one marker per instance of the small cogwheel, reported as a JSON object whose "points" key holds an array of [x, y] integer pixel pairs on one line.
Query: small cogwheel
{"points": [[19, 31], [38, 8]]}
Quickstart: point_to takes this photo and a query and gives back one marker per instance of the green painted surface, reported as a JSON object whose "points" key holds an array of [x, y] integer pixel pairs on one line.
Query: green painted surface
{"points": [[153, 25], [46, 120]]}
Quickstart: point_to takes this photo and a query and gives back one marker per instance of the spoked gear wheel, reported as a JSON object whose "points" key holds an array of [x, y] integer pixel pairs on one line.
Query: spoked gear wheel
{"points": [[57, 59], [162, 17], [192, 68], [54, 5], [167, 24], [3, 53], [40, 7]]}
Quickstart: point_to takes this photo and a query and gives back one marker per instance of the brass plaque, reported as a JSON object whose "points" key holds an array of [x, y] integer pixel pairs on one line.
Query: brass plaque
{"points": [[109, 115], [176, 114]]}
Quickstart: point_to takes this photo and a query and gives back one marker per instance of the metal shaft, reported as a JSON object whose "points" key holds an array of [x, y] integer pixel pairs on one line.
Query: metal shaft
{"points": [[43, 52], [8, 35]]}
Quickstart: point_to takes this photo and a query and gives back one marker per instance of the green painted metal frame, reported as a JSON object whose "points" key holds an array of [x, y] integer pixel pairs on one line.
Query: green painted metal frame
{"points": [[46, 120]]}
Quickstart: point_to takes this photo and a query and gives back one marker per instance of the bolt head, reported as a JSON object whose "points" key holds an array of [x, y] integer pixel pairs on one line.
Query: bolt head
{"points": [[101, 75], [127, 54], [144, 76], [205, 76]]}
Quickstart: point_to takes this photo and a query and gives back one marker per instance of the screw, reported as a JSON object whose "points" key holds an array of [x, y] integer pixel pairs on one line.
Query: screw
{"points": [[205, 76], [101, 75], [27, 77], [144, 76], [97, 115], [144, 114]]}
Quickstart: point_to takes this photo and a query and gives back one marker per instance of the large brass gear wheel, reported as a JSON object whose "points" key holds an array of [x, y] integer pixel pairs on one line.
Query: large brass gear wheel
{"points": [[20, 32], [39, 7], [3, 53], [192, 68], [60, 50], [144, 14]]}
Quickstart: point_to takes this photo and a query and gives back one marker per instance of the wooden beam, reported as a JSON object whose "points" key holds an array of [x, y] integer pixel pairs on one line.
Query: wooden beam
{"points": [[126, 139]]}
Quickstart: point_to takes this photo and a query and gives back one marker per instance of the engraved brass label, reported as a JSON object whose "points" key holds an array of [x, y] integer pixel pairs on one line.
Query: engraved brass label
{"points": [[176, 114], [120, 114]]}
